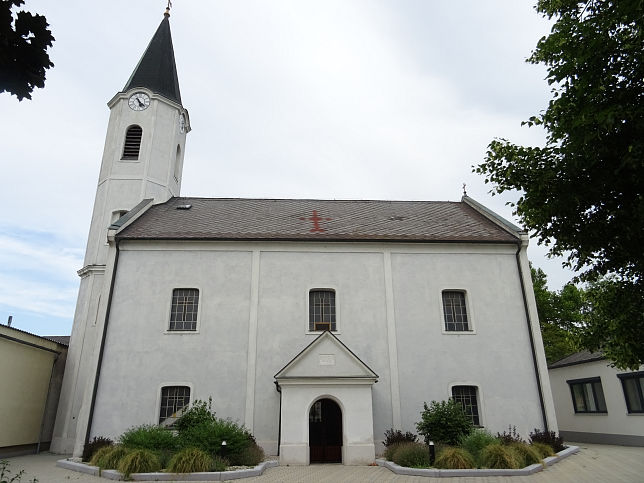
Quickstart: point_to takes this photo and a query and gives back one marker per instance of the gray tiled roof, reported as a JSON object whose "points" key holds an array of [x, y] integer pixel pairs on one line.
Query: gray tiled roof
{"points": [[577, 358], [337, 220]]}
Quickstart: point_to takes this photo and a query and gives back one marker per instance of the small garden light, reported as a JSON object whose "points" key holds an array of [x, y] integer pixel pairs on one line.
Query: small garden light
{"points": [[432, 452]]}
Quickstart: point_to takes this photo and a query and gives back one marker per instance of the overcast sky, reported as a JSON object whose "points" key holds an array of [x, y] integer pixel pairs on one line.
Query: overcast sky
{"points": [[334, 99]]}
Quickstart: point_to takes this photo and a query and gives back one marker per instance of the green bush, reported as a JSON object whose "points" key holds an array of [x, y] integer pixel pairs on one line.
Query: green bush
{"points": [[397, 436], [548, 437], [208, 437], [510, 437], [200, 413], [412, 455], [455, 459], [108, 457], [527, 455], [190, 460], [475, 442], [498, 456], [148, 436], [249, 456], [392, 448], [544, 450], [94, 445], [444, 422], [139, 461], [219, 464]]}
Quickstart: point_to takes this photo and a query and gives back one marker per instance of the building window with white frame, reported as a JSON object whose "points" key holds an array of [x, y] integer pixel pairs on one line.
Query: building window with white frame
{"points": [[183, 313], [174, 400], [587, 395], [466, 396], [633, 386], [455, 311], [322, 310]]}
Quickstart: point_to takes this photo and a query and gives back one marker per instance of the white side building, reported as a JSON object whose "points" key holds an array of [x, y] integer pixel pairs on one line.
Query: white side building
{"points": [[318, 324]]}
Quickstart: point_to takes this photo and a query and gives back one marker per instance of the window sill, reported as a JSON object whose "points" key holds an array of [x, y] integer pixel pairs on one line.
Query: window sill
{"points": [[185, 332], [591, 413], [318, 332], [459, 332]]}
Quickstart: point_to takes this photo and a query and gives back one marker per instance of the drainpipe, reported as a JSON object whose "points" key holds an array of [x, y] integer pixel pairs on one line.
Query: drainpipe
{"points": [[44, 412], [532, 347], [279, 430]]}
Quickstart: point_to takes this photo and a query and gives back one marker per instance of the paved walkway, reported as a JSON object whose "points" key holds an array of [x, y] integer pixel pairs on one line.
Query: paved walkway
{"points": [[594, 463]]}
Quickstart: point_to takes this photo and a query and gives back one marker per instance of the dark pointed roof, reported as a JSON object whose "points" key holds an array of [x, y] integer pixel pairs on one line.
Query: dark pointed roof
{"points": [[157, 70]]}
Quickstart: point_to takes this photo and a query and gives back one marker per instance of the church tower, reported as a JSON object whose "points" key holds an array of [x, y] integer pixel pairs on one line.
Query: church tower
{"points": [[142, 160]]}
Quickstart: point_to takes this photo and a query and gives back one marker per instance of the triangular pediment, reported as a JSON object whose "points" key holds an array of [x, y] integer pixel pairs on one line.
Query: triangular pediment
{"points": [[326, 358]]}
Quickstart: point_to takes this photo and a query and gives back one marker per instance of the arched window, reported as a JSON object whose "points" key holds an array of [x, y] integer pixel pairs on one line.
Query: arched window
{"points": [[132, 144], [177, 163]]}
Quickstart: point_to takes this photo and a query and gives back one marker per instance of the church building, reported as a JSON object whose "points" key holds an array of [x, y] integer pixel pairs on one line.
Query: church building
{"points": [[317, 324]]}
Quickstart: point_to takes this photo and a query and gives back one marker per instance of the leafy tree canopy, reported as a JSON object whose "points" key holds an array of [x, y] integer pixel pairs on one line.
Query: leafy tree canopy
{"points": [[24, 40], [582, 191]]}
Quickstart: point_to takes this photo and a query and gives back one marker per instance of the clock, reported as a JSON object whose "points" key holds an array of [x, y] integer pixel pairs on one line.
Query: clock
{"points": [[139, 101], [182, 123]]}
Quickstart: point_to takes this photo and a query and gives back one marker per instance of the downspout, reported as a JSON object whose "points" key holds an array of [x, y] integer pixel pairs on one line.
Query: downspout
{"points": [[44, 412], [532, 347], [279, 428], [100, 353]]}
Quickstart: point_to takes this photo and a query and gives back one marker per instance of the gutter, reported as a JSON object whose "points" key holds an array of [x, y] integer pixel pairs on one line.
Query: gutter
{"points": [[102, 349], [279, 427], [532, 347]]}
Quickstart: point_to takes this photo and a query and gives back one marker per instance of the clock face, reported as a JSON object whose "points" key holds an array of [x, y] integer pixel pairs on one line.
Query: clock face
{"points": [[182, 123], [139, 101]]}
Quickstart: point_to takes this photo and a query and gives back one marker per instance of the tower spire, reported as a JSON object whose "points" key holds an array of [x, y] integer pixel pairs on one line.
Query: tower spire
{"points": [[157, 70]]}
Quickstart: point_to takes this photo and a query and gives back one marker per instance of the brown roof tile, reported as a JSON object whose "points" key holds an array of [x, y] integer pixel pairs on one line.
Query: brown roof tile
{"points": [[328, 220]]}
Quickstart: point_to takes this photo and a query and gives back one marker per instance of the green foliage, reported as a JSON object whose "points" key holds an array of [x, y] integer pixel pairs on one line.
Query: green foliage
{"points": [[412, 455], [148, 436], [543, 449], [444, 422], [451, 458], [190, 460], [208, 436], [478, 439], [526, 455], [24, 41], [250, 456], [200, 413], [510, 437], [392, 448], [550, 438], [94, 445], [139, 461], [582, 191], [6, 476], [219, 464], [498, 456], [108, 457], [397, 436]]}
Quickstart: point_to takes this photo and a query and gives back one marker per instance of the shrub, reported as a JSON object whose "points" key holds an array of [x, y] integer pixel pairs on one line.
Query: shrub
{"points": [[391, 450], [249, 456], [139, 461], [444, 422], [412, 455], [510, 437], [476, 441], [208, 437], [455, 459], [148, 436], [200, 413], [108, 457], [219, 464], [548, 437], [94, 445], [527, 455], [499, 456], [190, 460], [397, 436], [544, 450]]}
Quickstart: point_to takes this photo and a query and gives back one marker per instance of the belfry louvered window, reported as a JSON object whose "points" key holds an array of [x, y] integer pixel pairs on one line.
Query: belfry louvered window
{"points": [[321, 310], [132, 144]]}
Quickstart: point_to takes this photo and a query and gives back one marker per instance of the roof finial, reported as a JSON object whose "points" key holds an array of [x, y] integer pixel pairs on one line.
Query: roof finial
{"points": [[464, 190], [167, 9]]}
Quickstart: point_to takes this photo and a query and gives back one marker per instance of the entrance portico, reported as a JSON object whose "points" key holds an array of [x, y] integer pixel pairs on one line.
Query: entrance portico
{"points": [[326, 388]]}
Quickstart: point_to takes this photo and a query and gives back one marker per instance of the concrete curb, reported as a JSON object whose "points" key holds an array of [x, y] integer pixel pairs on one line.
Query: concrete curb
{"points": [[209, 476], [438, 473]]}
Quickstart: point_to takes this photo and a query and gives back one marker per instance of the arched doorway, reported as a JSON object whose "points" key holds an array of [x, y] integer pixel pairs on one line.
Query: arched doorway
{"points": [[325, 432]]}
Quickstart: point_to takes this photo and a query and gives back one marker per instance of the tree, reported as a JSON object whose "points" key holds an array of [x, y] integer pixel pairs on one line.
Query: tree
{"points": [[24, 40], [582, 191]]}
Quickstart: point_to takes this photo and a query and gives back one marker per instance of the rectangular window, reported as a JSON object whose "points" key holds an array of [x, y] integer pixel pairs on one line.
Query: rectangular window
{"points": [[454, 311], [321, 310], [633, 386], [174, 399], [587, 395], [183, 314], [466, 395]]}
